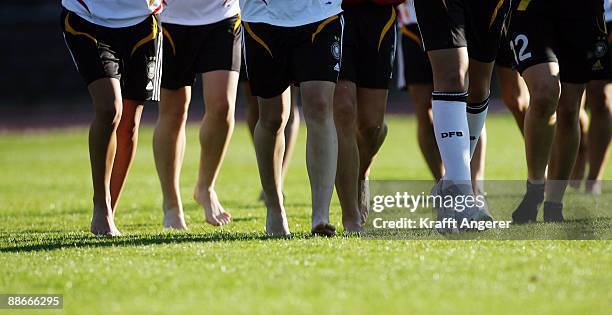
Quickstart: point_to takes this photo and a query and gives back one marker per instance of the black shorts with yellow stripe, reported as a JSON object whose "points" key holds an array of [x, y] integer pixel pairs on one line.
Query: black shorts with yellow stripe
{"points": [[368, 53], [548, 32], [276, 57], [194, 49], [129, 54], [475, 24], [415, 63], [505, 56]]}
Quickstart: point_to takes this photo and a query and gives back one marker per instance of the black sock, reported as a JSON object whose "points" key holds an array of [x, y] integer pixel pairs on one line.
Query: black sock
{"points": [[527, 211]]}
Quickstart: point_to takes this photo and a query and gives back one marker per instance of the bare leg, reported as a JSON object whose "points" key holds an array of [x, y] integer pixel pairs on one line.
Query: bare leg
{"points": [[106, 97], [252, 110], [477, 165], [599, 95], [291, 129], [371, 133], [544, 90], [567, 140], [514, 93], [169, 150], [215, 132], [347, 175], [371, 126], [579, 169], [127, 140], [421, 97], [539, 128], [269, 141], [321, 150]]}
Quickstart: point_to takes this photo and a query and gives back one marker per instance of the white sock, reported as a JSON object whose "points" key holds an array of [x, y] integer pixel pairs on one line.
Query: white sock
{"points": [[452, 134], [476, 116]]}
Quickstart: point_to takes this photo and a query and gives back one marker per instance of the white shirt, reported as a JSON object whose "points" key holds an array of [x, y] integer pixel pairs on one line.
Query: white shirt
{"points": [[288, 13], [199, 12], [114, 13], [406, 13], [608, 7]]}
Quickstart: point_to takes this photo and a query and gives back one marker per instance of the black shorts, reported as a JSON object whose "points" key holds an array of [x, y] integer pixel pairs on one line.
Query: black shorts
{"points": [[606, 73], [277, 57], [505, 57], [475, 24], [540, 33], [129, 54], [416, 67], [368, 50], [195, 49]]}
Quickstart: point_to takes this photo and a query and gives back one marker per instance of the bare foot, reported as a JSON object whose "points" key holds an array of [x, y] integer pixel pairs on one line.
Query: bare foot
{"points": [[276, 223], [324, 229], [352, 227], [174, 219], [213, 211], [103, 223]]}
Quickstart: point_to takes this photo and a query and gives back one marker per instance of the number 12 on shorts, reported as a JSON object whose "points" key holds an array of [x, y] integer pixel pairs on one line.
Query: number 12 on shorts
{"points": [[520, 41]]}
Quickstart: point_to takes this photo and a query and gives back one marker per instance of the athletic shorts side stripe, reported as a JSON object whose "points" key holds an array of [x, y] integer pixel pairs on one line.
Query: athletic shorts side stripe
{"points": [[387, 26], [159, 66], [70, 51], [341, 38], [244, 53], [258, 39], [74, 32], [148, 38], [322, 25]]}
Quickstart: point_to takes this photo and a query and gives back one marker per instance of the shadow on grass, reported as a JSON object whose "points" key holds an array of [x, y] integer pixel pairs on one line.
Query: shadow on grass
{"points": [[56, 242]]}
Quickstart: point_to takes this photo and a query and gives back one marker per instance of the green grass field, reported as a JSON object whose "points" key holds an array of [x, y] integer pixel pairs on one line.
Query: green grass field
{"points": [[45, 246]]}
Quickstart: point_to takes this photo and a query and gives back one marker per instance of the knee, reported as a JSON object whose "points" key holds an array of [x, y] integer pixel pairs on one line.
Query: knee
{"points": [[516, 103], [109, 113], [220, 111], [175, 116], [370, 128], [317, 110], [544, 97], [599, 101], [568, 115], [345, 115], [273, 121]]}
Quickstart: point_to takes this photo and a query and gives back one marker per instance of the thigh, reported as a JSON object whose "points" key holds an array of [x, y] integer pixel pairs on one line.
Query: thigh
{"points": [[220, 88], [484, 27], [505, 57], [93, 55], [442, 23], [532, 35], [371, 106], [316, 51], [222, 46], [266, 61], [417, 69], [350, 46], [181, 46], [141, 58], [583, 49], [375, 53]]}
